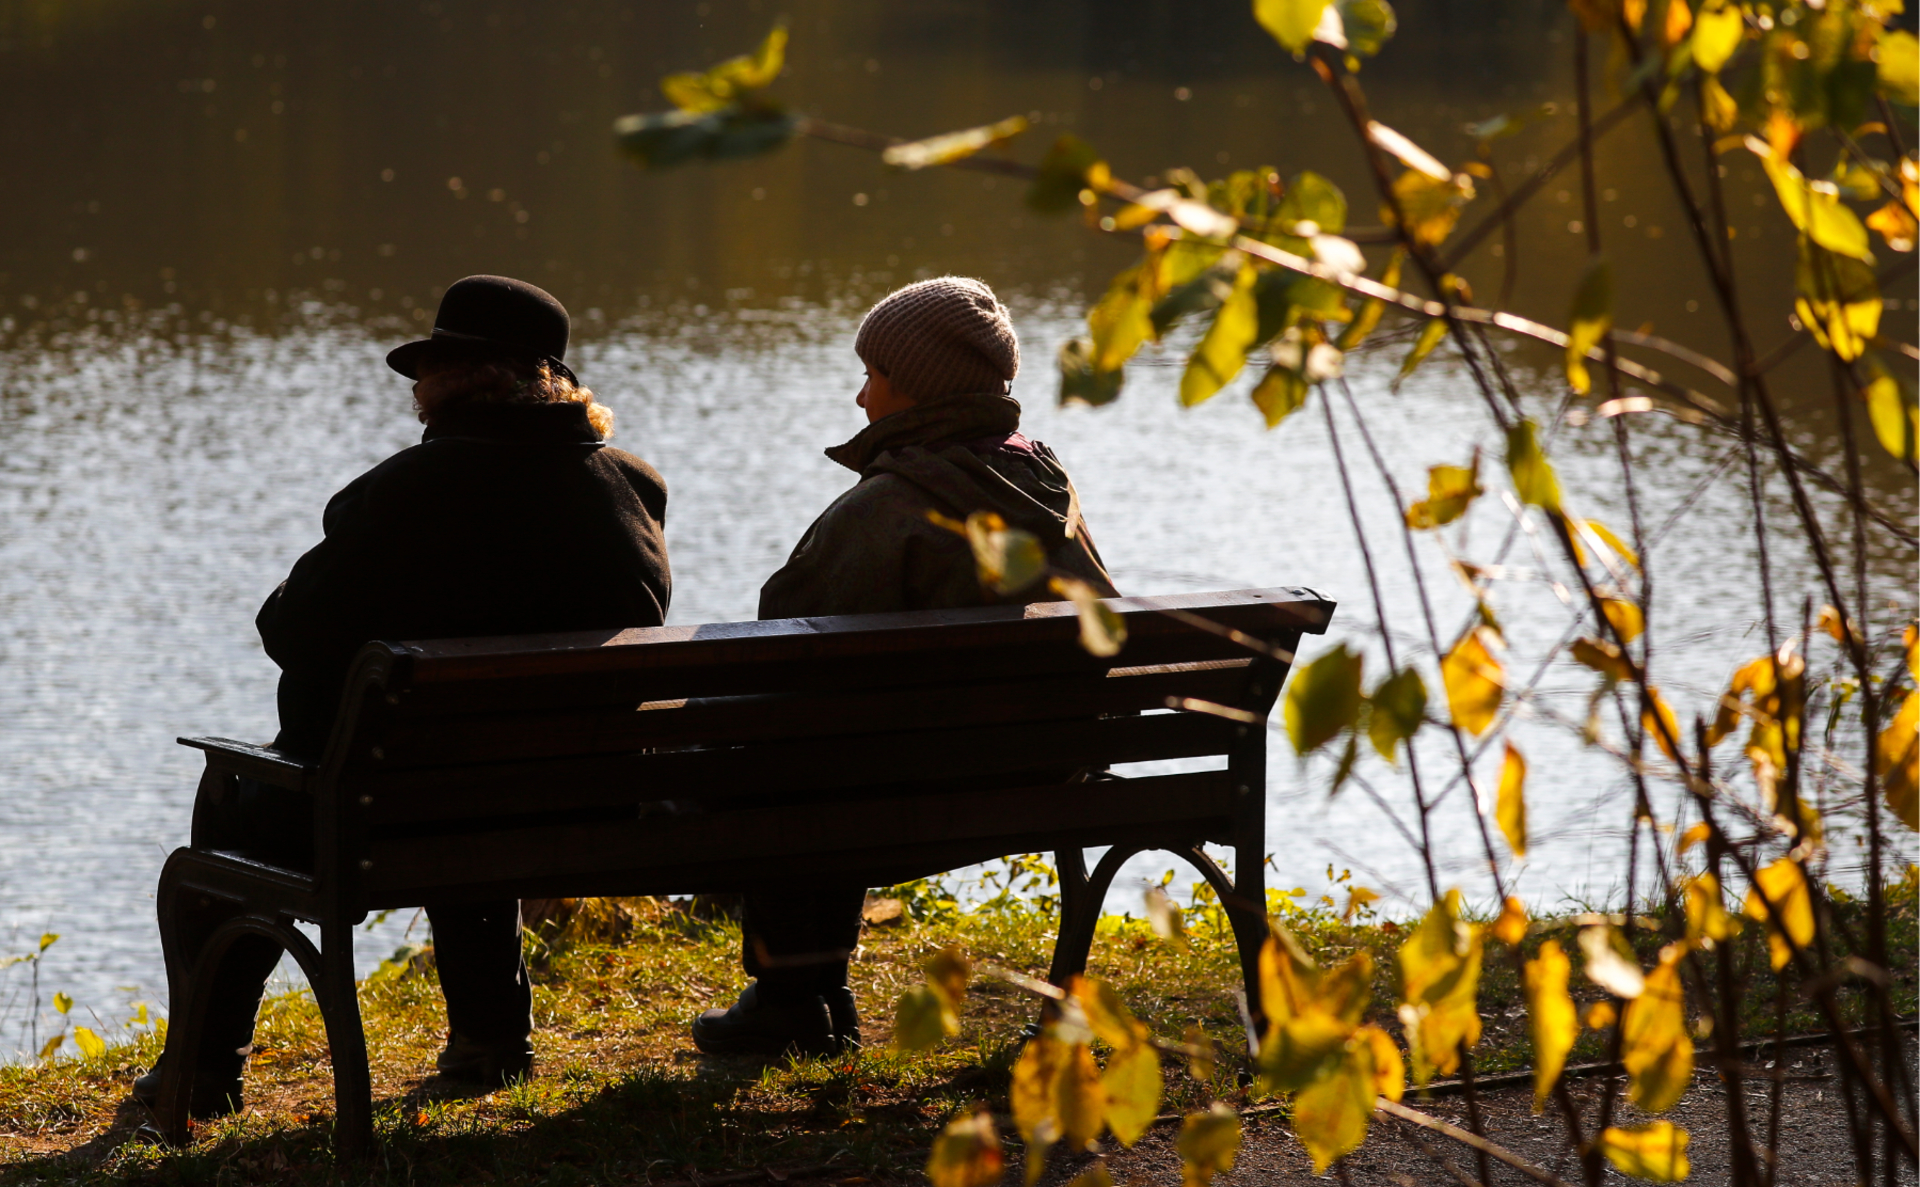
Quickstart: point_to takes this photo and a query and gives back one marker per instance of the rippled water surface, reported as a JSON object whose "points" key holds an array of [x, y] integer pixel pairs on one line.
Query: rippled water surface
{"points": [[197, 291]]}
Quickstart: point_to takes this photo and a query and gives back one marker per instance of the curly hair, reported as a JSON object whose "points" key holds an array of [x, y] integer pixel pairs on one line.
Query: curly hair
{"points": [[498, 379]]}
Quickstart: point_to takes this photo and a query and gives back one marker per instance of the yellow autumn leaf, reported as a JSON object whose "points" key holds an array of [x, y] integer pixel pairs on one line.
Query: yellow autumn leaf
{"points": [[1223, 349], [1717, 32], [1131, 1086], [1511, 927], [1450, 490], [1897, 761], [1656, 1152], [1599, 1015], [1310, 1011], [1612, 540], [1625, 618], [1662, 727], [1791, 917], [1550, 1018], [1389, 1070], [1440, 979], [967, 1153], [1654, 1044], [91, 1045], [1589, 321], [1533, 478], [1510, 809], [1707, 918], [1330, 1114], [1207, 1144], [1694, 836], [1473, 678], [1603, 657]]}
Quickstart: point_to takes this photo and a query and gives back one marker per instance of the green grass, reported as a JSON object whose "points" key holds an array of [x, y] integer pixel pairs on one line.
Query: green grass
{"points": [[621, 1096]]}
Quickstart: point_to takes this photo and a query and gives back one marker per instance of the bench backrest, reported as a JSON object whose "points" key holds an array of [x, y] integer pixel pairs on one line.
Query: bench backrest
{"points": [[700, 757]]}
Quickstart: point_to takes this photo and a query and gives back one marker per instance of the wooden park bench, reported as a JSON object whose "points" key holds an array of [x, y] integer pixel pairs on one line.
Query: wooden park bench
{"points": [[705, 759]]}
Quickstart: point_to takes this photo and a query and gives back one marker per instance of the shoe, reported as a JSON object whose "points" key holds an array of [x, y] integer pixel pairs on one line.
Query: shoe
{"points": [[214, 1094], [845, 1018], [753, 1027], [488, 1064]]}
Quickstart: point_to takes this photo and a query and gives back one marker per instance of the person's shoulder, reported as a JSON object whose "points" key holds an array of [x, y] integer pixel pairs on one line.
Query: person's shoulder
{"points": [[630, 464]]}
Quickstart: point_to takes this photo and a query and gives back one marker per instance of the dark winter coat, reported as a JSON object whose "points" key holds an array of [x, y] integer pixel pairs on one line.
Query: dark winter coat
{"points": [[504, 520], [874, 549]]}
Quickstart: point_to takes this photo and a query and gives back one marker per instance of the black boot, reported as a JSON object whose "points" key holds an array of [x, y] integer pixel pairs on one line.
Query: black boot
{"points": [[488, 1064], [845, 1016], [215, 1093], [753, 1027]]}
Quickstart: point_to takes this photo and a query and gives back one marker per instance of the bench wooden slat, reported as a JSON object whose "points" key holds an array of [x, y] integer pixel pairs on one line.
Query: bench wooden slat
{"points": [[456, 795], [485, 738], [674, 851]]}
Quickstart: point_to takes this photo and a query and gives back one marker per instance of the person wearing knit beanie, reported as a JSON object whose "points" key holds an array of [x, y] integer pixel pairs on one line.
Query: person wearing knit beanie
{"points": [[942, 442], [941, 337]]}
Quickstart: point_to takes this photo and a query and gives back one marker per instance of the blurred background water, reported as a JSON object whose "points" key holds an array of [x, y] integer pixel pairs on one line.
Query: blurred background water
{"points": [[219, 216]]}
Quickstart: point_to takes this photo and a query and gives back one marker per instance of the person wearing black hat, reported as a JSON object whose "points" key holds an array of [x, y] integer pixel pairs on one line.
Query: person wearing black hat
{"points": [[512, 516]]}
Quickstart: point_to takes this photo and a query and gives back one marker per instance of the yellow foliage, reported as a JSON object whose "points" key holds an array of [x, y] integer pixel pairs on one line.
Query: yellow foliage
{"points": [[1511, 808], [1655, 1046], [1707, 918], [1599, 1016], [1791, 917], [1657, 718], [1511, 927], [1656, 1152], [1897, 761], [1474, 681], [1440, 975], [1550, 1018], [1207, 1144], [1450, 490], [967, 1153]]}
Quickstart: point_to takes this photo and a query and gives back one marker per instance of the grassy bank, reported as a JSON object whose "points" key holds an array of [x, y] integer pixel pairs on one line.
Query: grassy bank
{"points": [[621, 1096]]}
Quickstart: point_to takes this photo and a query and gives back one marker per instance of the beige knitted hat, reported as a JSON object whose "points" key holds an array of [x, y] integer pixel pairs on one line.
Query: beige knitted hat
{"points": [[941, 337]]}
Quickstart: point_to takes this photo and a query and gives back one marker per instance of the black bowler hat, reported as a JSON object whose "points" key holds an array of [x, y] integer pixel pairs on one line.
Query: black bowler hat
{"points": [[493, 314]]}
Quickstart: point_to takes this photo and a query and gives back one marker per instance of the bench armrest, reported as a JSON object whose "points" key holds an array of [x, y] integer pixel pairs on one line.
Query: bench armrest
{"points": [[275, 768]]}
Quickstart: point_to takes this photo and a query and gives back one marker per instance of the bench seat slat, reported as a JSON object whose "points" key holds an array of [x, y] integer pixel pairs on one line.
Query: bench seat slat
{"points": [[675, 851], [460, 794], [503, 737]]}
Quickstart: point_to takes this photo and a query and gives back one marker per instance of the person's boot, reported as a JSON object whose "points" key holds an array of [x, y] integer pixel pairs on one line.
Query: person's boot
{"points": [[492, 1064], [215, 1093], [845, 1018], [754, 1027]]}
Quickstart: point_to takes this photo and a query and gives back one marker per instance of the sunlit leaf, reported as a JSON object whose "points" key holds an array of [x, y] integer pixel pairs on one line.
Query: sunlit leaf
{"points": [[1368, 24], [1718, 29], [1717, 107], [1897, 59], [1791, 918], [1107, 1015], [1656, 1152], [62, 1002], [1510, 809], [1707, 920], [1036, 1112], [1399, 709], [1330, 1114], [1310, 1012], [729, 81], [671, 138], [1389, 1071], [1450, 491], [947, 972], [1080, 382], [1894, 411], [1613, 541], [1281, 392], [1589, 320], [1366, 318], [1897, 762], [91, 1045], [1165, 917], [1837, 299], [1896, 224], [47, 940], [1311, 199], [1431, 205], [1223, 350], [1511, 927], [1121, 320], [1625, 618], [1533, 478], [967, 1153], [1814, 207], [1070, 166], [1431, 335], [1694, 836], [953, 146], [921, 1020], [1323, 698], [51, 1045], [1008, 559], [1609, 961], [1207, 1144], [1599, 1016], [1131, 1083], [1654, 1044], [1657, 719], [1550, 1018], [1102, 631], [1080, 1099], [1440, 979], [1473, 679], [1291, 22]]}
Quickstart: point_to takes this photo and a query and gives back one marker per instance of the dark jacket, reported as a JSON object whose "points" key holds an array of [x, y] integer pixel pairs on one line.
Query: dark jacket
{"points": [[874, 549], [504, 520]]}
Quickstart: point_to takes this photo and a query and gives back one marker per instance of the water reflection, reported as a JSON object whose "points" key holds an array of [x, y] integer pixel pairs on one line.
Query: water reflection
{"points": [[221, 215]]}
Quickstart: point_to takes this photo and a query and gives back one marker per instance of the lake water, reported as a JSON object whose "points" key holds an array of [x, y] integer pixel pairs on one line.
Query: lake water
{"points": [[220, 217]]}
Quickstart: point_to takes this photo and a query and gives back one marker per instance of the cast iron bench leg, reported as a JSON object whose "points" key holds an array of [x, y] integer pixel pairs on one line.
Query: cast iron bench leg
{"points": [[332, 978]]}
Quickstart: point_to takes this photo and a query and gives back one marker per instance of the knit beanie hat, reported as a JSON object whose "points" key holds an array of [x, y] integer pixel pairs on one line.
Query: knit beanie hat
{"points": [[941, 337]]}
